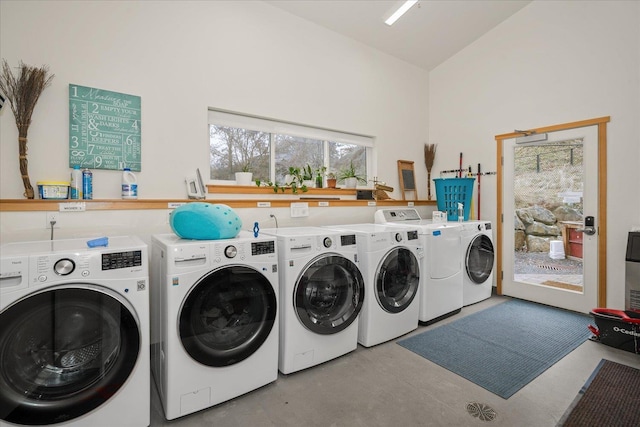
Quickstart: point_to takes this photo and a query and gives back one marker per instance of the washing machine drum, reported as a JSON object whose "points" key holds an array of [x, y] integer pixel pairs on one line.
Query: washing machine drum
{"points": [[329, 293], [64, 352], [479, 259], [227, 316], [397, 280]]}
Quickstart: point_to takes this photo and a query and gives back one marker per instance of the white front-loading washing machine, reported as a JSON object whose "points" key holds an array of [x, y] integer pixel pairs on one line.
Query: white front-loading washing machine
{"points": [[477, 258], [441, 294], [74, 333], [321, 295], [390, 258], [215, 314]]}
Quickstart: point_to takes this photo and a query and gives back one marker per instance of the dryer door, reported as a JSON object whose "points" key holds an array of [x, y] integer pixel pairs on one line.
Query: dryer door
{"points": [[479, 259], [64, 352], [329, 293], [227, 316], [397, 280]]}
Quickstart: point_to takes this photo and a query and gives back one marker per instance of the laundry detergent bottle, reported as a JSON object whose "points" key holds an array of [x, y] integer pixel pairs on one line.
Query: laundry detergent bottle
{"points": [[129, 185]]}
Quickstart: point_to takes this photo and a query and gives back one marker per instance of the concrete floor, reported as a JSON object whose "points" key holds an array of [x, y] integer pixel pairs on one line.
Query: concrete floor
{"points": [[388, 385]]}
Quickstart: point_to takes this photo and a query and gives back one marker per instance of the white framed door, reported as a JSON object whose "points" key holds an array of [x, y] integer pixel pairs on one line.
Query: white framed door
{"points": [[589, 296]]}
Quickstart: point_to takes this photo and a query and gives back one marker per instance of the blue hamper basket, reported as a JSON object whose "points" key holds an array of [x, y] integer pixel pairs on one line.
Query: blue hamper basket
{"points": [[450, 192]]}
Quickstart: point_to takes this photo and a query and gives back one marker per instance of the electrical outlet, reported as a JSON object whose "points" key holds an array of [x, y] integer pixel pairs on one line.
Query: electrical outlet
{"points": [[299, 209], [52, 216]]}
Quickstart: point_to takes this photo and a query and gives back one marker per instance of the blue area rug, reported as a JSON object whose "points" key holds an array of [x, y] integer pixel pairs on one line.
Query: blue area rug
{"points": [[504, 347]]}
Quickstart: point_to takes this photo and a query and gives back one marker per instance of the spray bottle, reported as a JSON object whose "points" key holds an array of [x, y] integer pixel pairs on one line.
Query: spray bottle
{"points": [[460, 212]]}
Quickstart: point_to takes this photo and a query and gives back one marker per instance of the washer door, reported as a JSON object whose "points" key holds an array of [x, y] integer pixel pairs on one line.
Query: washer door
{"points": [[227, 316], [329, 293], [479, 259], [64, 352], [397, 280]]}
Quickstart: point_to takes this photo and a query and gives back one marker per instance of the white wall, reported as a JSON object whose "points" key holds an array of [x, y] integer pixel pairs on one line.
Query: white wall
{"points": [[550, 63], [182, 57]]}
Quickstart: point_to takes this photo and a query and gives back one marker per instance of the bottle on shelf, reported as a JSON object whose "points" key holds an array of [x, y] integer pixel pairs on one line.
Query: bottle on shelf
{"points": [[76, 183], [87, 184], [129, 185]]}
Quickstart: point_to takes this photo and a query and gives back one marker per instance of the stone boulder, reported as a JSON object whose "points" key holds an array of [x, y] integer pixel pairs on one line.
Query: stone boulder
{"points": [[543, 215], [517, 223], [520, 240], [565, 213], [540, 229], [538, 244], [524, 216]]}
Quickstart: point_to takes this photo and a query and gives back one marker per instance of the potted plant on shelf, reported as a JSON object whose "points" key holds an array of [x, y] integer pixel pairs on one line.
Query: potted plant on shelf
{"points": [[351, 177], [331, 180], [307, 176], [245, 176], [292, 180]]}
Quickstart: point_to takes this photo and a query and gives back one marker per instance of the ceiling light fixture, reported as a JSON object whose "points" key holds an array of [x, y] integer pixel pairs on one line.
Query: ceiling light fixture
{"points": [[401, 11]]}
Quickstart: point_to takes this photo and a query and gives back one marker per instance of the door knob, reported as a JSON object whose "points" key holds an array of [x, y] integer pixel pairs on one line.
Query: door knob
{"points": [[590, 231]]}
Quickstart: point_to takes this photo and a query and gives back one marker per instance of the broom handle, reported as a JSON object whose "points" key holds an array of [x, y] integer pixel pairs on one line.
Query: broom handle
{"points": [[479, 175]]}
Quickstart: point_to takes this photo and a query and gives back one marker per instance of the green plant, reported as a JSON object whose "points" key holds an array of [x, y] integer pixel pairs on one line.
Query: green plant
{"points": [[294, 185], [246, 167], [307, 173], [350, 172]]}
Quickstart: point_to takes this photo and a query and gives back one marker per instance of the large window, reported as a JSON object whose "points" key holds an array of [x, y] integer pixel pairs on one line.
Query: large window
{"points": [[268, 148]]}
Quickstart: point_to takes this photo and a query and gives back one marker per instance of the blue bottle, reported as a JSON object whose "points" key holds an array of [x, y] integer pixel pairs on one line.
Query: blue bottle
{"points": [[87, 184]]}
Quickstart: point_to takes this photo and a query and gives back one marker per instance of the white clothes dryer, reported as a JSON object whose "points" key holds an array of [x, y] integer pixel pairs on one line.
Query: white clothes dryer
{"points": [[74, 333], [478, 259], [390, 258], [441, 294], [321, 294], [215, 312]]}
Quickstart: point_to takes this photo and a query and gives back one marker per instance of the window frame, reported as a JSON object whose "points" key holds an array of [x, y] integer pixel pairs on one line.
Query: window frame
{"points": [[228, 118]]}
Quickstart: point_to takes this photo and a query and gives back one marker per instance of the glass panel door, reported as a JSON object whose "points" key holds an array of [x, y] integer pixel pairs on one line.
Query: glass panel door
{"points": [[550, 193]]}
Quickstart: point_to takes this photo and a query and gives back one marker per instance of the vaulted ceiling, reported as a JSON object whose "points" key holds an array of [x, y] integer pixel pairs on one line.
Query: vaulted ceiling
{"points": [[427, 35]]}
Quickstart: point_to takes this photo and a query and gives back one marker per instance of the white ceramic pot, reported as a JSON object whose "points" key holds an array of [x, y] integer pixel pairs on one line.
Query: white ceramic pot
{"points": [[350, 182], [309, 183], [244, 178]]}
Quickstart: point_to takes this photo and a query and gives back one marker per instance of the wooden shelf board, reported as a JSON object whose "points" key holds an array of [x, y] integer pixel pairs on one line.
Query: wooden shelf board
{"points": [[24, 205]]}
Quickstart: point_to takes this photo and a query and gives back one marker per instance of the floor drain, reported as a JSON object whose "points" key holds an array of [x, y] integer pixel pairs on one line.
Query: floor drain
{"points": [[481, 411], [550, 267]]}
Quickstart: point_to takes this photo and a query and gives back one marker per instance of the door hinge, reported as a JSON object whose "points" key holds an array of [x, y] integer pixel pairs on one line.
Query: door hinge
{"points": [[501, 275]]}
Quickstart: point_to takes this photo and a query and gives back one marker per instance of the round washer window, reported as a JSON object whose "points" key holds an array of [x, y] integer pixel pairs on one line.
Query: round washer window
{"points": [[479, 261], [329, 294], [64, 352], [397, 280], [227, 316]]}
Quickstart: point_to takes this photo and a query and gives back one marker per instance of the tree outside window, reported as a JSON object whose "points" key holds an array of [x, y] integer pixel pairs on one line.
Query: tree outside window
{"points": [[234, 149]]}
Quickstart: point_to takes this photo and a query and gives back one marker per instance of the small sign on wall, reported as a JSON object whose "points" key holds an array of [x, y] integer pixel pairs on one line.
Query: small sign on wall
{"points": [[104, 129]]}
